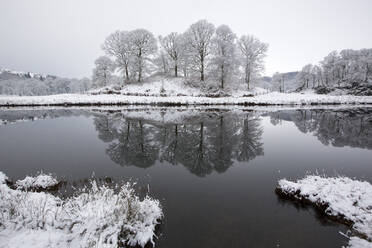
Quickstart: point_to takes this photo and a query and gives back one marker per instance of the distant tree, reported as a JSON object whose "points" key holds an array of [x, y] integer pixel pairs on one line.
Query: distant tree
{"points": [[119, 45], [102, 71], [279, 79], [162, 62], [143, 44], [173, 45], [199, 37], [224, 52], [252, 52], [329, 67], [366, 62], [305, 76]]}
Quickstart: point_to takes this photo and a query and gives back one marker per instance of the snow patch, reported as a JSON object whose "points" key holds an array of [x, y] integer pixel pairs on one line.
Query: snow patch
{"points": [[341, 197], [273, 98], [356, 242], [3, 178]]}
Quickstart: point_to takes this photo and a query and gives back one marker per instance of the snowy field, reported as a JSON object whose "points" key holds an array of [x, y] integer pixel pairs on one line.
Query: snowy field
{"points": [[341, 198], [96, 217], [273, 98]]}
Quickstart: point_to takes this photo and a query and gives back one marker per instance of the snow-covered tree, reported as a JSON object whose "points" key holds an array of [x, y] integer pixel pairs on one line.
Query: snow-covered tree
{"points": [[224, 59], [119, 46], [162, 62], [330, 70], [199, 36], [305, 76], [278, 80], [173, 46], [102, 71], [252, 52], [143, 44]]}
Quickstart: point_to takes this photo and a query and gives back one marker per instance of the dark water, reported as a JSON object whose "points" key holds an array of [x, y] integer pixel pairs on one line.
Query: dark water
{"points": [[214, 171]]}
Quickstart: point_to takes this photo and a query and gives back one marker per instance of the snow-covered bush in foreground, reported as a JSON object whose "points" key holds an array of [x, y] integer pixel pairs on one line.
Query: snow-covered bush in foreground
{"points": [[96, 217], [340, 197], [41, 181]]}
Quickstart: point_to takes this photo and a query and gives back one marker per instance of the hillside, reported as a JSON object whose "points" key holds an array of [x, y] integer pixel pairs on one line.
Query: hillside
{"points": [[35, 84]]}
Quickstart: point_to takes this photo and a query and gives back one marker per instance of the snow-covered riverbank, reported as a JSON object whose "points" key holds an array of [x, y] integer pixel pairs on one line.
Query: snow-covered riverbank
{"points": [[96, 217], [273, 98], [341, 198]]}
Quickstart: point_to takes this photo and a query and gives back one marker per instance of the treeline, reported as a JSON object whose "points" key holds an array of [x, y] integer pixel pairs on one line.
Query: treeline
{"points": [[347, 69], [202, 51], [30, 84]]}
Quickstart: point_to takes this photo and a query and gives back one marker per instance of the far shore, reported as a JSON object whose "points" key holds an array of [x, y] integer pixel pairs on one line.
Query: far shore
{"points": [[269, 99]]}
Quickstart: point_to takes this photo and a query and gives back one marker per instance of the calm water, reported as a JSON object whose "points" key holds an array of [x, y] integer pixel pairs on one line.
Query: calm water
{"points": [[214, 171]]}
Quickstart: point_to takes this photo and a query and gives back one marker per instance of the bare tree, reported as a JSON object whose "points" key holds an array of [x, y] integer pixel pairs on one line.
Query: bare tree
{"points": [[119, 46], [173, 45], [102, 71], [252, 53], [143, 44], [199, 37], [224, 52]]}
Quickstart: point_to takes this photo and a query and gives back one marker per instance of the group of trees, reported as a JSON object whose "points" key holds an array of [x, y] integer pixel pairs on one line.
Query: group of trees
{"points": [[30, 84], [201, 51], [349, 66], [202, 144]]}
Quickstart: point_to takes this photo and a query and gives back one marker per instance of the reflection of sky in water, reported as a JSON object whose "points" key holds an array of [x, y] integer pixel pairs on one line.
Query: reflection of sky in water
{"points": [[233, 205]]}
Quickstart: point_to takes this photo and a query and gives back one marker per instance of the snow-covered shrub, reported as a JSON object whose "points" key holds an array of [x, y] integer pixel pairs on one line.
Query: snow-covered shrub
{"points": [[41, 181], [340, 197], [99, 216]]}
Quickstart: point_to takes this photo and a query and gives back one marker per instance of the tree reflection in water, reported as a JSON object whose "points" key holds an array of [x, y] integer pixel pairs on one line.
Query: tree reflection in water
{"points": [[203, 143], [343, 127]]}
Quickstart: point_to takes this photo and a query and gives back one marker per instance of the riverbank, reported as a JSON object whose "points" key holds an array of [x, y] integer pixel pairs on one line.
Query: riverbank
{"points": [[272, 98], [340, 198]]}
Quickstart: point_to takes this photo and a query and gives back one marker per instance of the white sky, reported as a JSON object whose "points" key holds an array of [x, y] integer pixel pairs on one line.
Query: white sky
{"points": [[63, 37]]}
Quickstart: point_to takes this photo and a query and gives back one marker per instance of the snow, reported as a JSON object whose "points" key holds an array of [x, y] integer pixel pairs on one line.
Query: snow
{"points": [[3, 178], [356, 242], [41, 181], [98, 216], [342, 197], [272, 98]]}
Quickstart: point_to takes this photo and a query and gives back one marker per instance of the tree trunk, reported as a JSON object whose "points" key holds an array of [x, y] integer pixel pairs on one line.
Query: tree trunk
{"points": [[222, 76], [202, 69], [140, 65], [126, 73], [367, 72], [201, 54], [139, 71], [176, 70], [247, 75]]}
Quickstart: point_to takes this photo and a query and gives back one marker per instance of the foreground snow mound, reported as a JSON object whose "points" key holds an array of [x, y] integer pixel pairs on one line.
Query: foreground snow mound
{"points": [[96, 217], [356, 242], [41, 181], [340, 197]]}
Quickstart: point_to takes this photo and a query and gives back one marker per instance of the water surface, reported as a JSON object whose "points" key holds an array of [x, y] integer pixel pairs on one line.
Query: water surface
{"points": [[214, 171]]}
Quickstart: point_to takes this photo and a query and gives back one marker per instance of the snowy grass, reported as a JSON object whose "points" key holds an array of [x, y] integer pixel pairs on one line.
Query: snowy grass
{"points": [[273, 98], [98, 216], [341, 198]]}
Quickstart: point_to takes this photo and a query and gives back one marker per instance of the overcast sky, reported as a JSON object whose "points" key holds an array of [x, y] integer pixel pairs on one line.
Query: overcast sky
{"points": [[63, 37]]}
